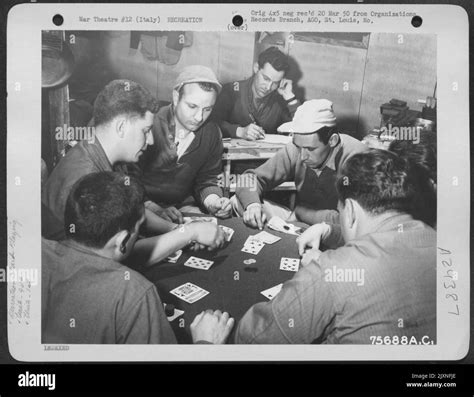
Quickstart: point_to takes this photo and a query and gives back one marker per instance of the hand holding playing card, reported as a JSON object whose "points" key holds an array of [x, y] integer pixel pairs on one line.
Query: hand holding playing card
{"points": [[172, 214], [208, 234], [196, 247], [310, 256], [213, 327], [224, 209], [312, 237], [254, 216], [228, 232]]}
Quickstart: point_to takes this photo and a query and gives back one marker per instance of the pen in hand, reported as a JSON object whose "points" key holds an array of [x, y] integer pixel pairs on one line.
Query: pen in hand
{"points": [[254, 121]]}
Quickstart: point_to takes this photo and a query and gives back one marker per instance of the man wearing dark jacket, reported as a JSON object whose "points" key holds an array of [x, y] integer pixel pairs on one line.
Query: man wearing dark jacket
{"points": [[251, 108], [187, 157]]}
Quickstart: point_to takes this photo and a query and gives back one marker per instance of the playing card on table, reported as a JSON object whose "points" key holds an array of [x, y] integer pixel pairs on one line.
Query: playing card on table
{"points": [[175, 315], [270, 293], [252, 246], [252, 239], [289, 264], [174, 258], [198, 263], [189, 292], [228, 232], [278, 224], [266, 237]]}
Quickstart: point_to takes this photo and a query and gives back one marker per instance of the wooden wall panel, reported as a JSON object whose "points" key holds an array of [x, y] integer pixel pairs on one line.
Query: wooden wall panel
{"points": [[385, 70], [404, 71], [235, 56], [323, 71], [129, 63], [230, 58]]}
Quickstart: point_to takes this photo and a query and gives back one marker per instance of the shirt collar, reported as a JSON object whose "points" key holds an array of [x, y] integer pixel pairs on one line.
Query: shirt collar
{"points": [[97, 153], [193, 139], [393, 220], [84, 249], [331, 160]]}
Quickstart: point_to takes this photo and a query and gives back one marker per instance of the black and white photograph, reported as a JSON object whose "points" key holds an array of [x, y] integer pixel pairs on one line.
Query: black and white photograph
{"points": [[248, 188], [284, 177]]}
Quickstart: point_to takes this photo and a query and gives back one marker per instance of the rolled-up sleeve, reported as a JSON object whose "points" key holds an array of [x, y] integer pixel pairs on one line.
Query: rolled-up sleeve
{"points": [[301, 313], [276, 170]]}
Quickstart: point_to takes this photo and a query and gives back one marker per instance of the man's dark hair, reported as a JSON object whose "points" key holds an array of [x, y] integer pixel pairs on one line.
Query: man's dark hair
{"points": [[274, 57], [203, 85], [423, 160], [100, 205], [422, 154], [122, 97], [325, 133], [380, 181]]}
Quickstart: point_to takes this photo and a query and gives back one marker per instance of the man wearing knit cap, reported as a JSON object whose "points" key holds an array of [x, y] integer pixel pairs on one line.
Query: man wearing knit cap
{"points": [[311, 160], [181, 170], [123, 119]]}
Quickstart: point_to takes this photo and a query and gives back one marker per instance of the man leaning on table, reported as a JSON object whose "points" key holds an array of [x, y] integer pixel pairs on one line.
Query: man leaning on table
{"points": [[311, 160], [381, 283], [88, 294], [251, 108], [180, 172], [123, 119]]}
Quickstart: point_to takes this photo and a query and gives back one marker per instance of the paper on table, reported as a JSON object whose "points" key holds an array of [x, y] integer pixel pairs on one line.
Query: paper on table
{"points": [[276, 138]]}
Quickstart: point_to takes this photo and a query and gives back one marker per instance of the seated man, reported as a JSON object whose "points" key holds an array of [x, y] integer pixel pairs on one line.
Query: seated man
{"points": [[312, 160], [123, 117], [187, 158], [250, 108], [422, 155], [382, 282], [88, 296]]}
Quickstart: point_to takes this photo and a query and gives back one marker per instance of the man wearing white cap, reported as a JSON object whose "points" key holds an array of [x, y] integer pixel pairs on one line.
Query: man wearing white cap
{"points": [[187, 156], [311, 160], [371, 279]]}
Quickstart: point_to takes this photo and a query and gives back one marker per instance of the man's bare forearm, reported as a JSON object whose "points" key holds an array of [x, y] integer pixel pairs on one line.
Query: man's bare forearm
{"points": [[151, 250], [157, 225]]}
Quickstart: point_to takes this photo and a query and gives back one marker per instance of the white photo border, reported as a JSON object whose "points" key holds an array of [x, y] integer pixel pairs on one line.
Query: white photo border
{"points": [[25, 23]]}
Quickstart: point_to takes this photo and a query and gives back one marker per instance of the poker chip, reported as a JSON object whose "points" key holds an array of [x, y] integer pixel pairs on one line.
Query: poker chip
{"points": [[251, 269], [169, 310], [249, 261]]}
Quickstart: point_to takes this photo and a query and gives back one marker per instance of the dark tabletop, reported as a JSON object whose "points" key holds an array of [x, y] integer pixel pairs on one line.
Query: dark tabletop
{"points": [[233, 286]]}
